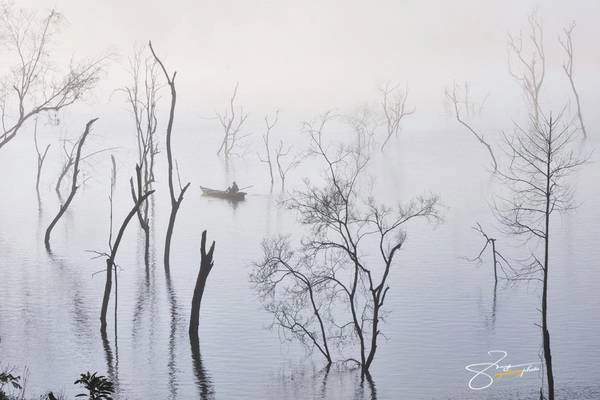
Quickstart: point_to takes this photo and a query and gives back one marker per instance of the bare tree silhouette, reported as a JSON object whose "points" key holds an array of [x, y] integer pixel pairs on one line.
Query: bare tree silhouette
{"points": [[74, 184], [296, 296], [499, 261], [567, 45], [142, 96], [269, 125], [31, 88], [283, 167], [333, 259], [231, 121], [206, 264], [394, 110], [540, 159], [530, 62], [175, 201], [114, 247]]}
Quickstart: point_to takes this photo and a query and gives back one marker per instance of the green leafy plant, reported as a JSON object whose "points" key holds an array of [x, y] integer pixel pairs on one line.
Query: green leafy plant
{"points": [[99, 387], [7, 378]]}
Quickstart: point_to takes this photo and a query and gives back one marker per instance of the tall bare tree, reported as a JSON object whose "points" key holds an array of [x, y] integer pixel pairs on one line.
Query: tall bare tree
{"points": [[567, 45], [343, 225], [74, 184], [112, 255], [364, 121], [32, 88], [269, 125], [283, 167], [231, 121], [540, 160], [175, 201], [527, 61], [394, 110], [142, 96]]}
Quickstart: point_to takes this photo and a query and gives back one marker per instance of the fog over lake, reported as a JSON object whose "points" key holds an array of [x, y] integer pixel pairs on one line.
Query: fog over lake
{"points": [[300, 65]]}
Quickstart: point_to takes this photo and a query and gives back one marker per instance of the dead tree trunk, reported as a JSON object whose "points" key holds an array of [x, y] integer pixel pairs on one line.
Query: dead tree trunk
{"points": [[206, 264], [280, 153], [266, 140], [539, 161], [74, 186], [110, 261], [231, 126], [175, 201], [498, 259]]}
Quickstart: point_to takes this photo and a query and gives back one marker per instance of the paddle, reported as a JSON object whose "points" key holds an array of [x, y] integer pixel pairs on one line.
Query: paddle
{"points": [[247, 187]]}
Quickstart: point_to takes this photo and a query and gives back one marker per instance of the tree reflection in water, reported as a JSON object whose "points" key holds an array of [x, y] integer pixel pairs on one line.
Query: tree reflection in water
{"points": [[203, 381]]}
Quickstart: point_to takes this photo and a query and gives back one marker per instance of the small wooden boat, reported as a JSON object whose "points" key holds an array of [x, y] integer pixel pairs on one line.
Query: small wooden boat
{"points": [[223, 194]]}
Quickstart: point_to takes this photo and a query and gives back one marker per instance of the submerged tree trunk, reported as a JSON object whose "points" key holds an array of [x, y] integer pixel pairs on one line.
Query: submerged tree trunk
{"points": [[202, 379], [545, 332], [110, 261], [206, 264], [74, 186], [175, 202]]}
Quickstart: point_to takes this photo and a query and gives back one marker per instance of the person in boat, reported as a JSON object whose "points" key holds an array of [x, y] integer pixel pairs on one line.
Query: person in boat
{"points": [[233, 188]]}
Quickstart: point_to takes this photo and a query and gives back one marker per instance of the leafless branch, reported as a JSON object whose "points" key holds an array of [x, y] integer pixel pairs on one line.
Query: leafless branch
{"points": [[456, 101], [567, 45]]}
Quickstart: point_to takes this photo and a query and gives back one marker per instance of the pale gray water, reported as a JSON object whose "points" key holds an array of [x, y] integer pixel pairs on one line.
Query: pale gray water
{"points": [[443, 313]]}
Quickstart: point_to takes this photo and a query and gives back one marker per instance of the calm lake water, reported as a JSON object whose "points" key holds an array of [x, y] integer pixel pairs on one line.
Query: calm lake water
{"points": [[444, 312]]}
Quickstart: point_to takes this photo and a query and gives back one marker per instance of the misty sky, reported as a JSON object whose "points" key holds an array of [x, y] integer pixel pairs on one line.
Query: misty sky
{"points": [[315, 55]]}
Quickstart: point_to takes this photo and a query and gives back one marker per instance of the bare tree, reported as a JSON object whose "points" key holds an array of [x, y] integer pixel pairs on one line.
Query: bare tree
{"points": [[111, 257], [364, 121], [283, 167], [499, 261], [266, 137], [231, 121], [30, 88], [175, 201], [41, 157], [540, 159], [206, 264], [74, 185], [394, 110], [342, 227], [567, 45], [530, 62], [142, 95], [456, 102], [297, 297]]}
